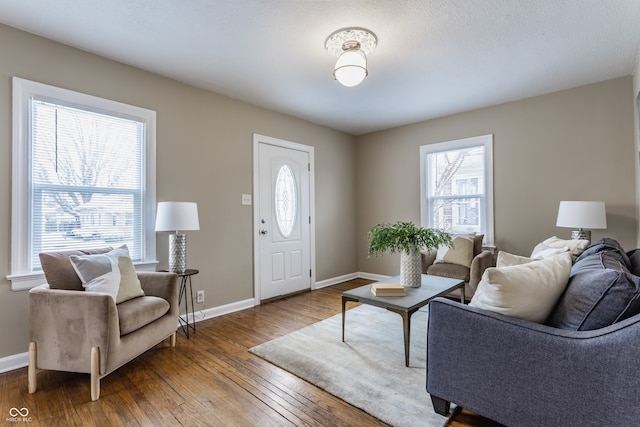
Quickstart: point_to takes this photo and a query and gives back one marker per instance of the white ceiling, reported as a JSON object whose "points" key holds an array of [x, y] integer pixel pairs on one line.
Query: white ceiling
{"points": [[434, 57]]}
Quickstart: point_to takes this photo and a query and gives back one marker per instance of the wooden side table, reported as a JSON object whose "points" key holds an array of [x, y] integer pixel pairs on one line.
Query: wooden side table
{"points": [[185, 279]]}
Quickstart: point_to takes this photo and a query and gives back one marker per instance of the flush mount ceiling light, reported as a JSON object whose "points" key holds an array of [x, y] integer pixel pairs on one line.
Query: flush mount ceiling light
{"points": [[351, 46]]}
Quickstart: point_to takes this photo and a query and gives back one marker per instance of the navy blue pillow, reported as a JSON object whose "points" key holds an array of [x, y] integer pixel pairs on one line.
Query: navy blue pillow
{"points": [[601, 290], [609, 245]]}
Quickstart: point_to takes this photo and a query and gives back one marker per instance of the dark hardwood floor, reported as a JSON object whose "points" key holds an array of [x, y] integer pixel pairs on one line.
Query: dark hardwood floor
{"points": [[208, 380]]}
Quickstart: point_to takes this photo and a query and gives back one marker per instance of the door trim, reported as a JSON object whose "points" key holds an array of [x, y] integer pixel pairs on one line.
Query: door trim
{"points": [[262, 139]]}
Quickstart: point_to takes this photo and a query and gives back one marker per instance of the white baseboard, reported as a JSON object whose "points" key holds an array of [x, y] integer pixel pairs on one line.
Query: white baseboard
{"points": [[210, 313], [20, 360], [13, 362], [335, 280], [346, 277], [371, 276]]}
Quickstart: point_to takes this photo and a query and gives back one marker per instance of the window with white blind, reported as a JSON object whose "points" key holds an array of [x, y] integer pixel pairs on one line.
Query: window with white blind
{"points": [[83, 177], [457, 186]]}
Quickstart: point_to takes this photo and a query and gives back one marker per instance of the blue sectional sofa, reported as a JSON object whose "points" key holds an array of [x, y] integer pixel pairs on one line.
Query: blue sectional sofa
{"points": [[579, 368]]}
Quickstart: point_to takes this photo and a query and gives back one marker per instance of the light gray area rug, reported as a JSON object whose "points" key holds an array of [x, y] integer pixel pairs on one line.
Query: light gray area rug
{"points": [[368, 369]]}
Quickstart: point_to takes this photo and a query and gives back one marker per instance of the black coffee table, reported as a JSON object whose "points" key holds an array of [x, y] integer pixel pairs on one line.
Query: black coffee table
{"points": [[432, 287]]}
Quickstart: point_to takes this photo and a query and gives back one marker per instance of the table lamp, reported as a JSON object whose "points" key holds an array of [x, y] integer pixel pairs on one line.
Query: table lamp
{"points": [[177, 216], [581, 215]]}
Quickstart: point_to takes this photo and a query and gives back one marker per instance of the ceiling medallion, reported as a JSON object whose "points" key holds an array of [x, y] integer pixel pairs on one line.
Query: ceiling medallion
{"points": [[351, 45]]}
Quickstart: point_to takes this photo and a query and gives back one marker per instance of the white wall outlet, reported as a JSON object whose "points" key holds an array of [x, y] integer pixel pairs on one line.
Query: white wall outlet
{"points": [[246, 199], [200, 297]]}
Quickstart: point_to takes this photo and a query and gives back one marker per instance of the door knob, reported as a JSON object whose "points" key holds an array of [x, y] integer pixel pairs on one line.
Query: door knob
{"points": [[263, 232]]}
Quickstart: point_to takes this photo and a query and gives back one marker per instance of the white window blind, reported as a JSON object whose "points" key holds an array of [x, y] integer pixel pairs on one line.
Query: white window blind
{"points": [[87, 170]]}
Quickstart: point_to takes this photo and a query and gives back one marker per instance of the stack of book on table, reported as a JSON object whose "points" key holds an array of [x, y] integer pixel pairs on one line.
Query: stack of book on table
{"points": [[388, 290]]}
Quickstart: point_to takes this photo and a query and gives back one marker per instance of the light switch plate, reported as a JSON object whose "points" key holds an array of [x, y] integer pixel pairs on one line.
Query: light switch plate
{"points": [[246, 199]]}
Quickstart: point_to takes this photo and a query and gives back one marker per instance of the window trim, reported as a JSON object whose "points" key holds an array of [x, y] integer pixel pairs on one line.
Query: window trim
{"points": [[21, 277], [487, 142]]}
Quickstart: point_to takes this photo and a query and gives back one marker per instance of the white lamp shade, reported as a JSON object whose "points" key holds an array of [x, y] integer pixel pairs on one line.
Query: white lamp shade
{"points": [[351, 68], [177, 216], [590, 215]]}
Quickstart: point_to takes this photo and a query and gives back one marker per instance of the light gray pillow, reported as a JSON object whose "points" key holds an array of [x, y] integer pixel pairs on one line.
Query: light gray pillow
{"points": [[112, 273]]}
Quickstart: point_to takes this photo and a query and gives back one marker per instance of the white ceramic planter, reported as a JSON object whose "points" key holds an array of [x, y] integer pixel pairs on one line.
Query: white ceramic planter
{"points": [[410, 270]]}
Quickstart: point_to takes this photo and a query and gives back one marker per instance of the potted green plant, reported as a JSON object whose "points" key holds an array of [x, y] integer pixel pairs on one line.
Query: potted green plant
{"points": [[407, 239]]}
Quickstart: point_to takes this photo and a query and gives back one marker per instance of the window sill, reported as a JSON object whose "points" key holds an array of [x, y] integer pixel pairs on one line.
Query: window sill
{"points": [[24, 282], [490, 248]]}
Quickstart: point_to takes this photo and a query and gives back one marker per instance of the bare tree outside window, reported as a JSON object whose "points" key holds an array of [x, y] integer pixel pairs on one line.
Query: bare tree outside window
{"points": [[456, 189], [455, 185]]}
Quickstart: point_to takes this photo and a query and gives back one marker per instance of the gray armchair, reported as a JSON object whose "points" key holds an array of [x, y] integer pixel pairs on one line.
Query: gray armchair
{"points": [[482, 259], [520, 373], [87, 332]]}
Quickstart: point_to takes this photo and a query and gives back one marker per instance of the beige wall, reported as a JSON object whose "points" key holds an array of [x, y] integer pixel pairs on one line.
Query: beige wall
{"points": [[204, 154], [576, 144]]}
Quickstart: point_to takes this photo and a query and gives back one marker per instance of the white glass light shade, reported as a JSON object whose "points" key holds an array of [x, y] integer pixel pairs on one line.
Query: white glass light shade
{"points": [[351, 68], [177, 216], [590, 215]]}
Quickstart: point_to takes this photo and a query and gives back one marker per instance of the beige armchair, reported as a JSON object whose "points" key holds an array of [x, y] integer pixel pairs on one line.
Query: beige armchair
{"points": [[78, 331], [482, 259]]}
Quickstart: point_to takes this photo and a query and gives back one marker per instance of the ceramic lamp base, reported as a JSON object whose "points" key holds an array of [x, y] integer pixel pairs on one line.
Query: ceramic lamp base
{"points": [[178, 253], [581, 234]]}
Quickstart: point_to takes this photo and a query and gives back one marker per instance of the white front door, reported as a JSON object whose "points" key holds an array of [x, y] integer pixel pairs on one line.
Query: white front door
{"points": [[283, 257]]}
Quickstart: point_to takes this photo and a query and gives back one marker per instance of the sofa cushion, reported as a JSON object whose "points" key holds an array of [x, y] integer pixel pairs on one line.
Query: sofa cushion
{"points": [[453, 271], [601, 290], [58, 270], [112, 273], [528, 291], [138, 312]]}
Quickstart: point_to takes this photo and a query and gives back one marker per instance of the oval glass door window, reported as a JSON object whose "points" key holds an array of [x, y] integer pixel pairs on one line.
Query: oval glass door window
{"points": [[286, 203]]}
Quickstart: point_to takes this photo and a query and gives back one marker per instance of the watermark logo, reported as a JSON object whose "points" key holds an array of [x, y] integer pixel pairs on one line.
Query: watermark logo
{"points": [[19, 415]]}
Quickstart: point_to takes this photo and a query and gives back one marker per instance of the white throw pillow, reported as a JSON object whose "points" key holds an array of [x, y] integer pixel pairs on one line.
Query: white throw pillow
{"points": [[112, 273], [542, 251], [528, 291], [460, 253], [553, 245], [506, 259]]}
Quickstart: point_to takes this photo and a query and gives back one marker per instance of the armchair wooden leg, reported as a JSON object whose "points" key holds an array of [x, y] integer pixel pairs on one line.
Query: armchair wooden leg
{"points": [[173, 340], [95, 373], [32, 373]]}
